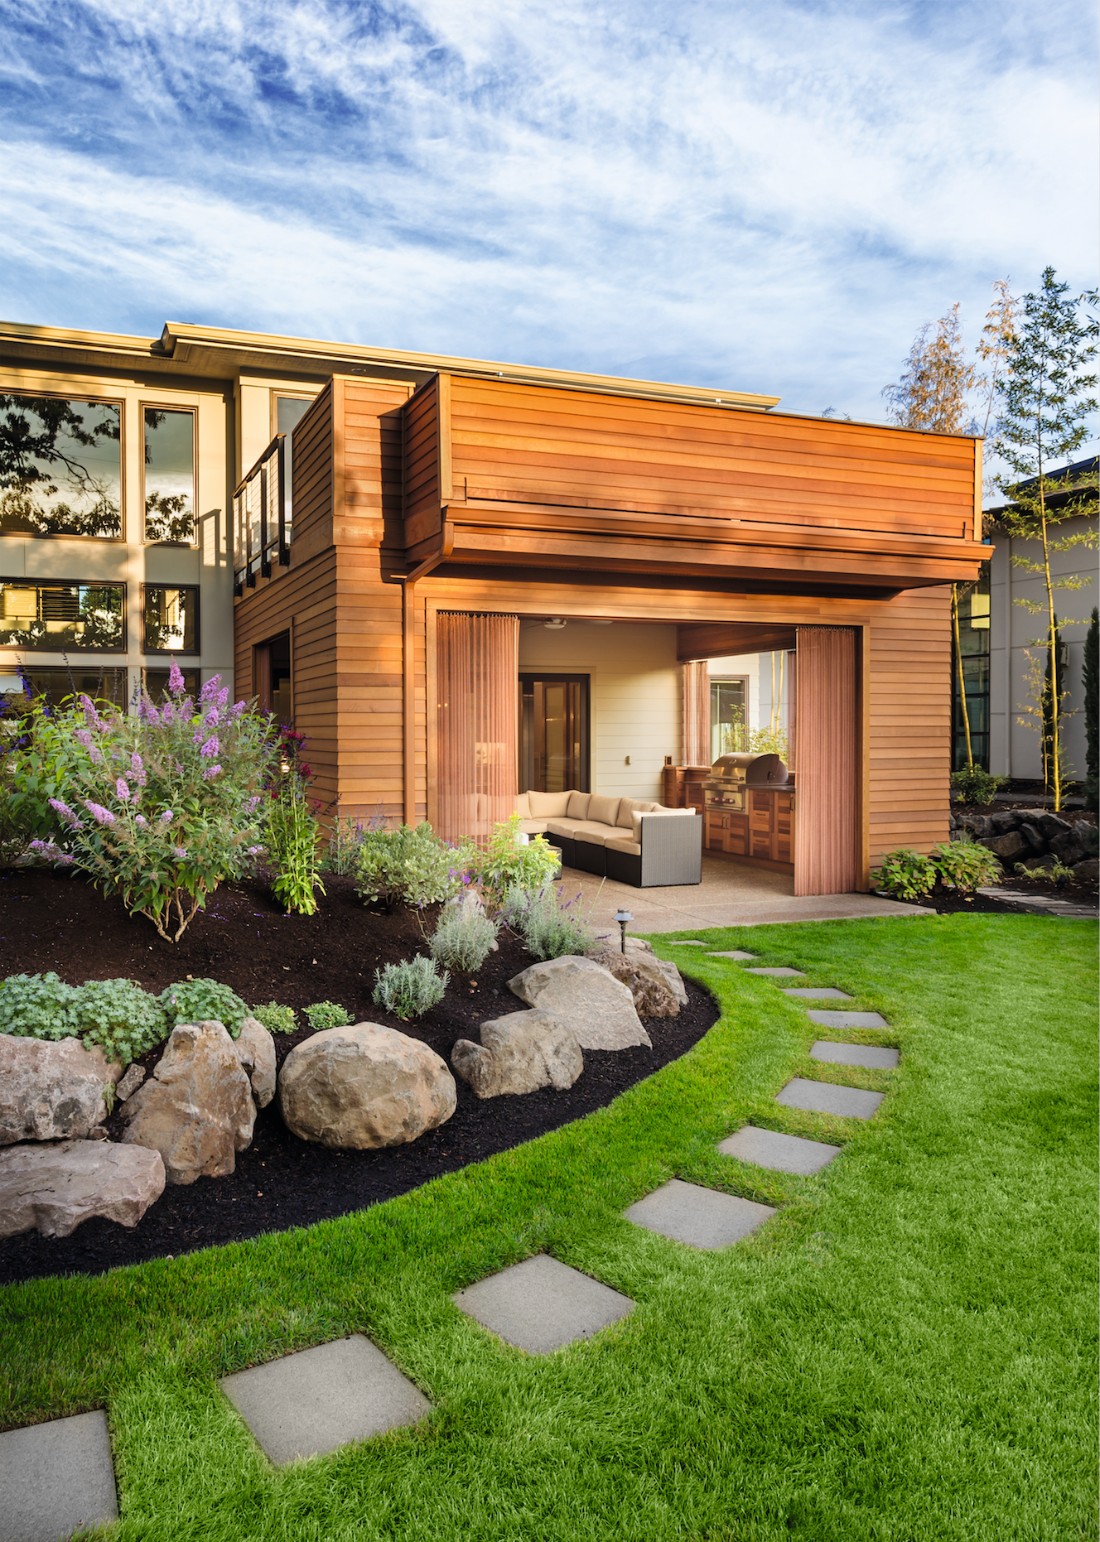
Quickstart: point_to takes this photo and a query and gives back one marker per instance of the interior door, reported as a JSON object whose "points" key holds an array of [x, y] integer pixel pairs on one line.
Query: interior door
{"points": [[554, 755]]}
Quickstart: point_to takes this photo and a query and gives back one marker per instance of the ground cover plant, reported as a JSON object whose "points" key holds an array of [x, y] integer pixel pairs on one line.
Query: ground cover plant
{"points": [[907, 1350]]}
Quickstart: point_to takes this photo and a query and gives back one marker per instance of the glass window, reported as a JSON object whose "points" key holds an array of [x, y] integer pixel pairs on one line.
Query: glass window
{"points": [[728, 729], [155, 682], [169, 475], [56, 683], [60, 466], [289, 410], [171, 619], [53, 616], [970, 693]]}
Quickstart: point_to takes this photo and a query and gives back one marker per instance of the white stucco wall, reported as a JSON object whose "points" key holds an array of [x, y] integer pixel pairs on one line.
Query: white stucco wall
{"points": [[635, 696], [757, 668], [1014, 746]]}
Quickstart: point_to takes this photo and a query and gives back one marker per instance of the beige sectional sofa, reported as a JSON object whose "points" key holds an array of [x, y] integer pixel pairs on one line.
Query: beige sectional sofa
{"points": [[629, 839]]}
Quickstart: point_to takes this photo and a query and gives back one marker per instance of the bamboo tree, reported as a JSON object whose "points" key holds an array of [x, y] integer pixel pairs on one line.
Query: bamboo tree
{"points": [[1046, 399]]}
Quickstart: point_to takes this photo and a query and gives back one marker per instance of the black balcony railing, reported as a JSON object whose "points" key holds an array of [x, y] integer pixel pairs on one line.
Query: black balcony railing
{"points": [[261, 518]]}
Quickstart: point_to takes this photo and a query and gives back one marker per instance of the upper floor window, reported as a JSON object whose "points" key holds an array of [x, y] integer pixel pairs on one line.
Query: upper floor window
{"points": [[57, 616], [169, 475], [171, 619], [60, 466]]}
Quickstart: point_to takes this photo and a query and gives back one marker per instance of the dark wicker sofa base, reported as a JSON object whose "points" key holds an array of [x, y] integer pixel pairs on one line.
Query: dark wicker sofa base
{"points": [[671, 854]]}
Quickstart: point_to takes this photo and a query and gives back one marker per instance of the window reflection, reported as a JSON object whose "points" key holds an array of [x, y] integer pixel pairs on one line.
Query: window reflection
{"points": [[169, 475], [53, 616], [171, 619], [60, 466]]}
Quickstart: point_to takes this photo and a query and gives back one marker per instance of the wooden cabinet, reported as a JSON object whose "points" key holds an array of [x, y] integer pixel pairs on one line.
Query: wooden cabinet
{"points": [[682, 786], [764, 832]]}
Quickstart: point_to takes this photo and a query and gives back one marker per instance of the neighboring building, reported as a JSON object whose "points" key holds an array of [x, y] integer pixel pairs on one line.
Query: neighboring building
{"points": [[459, 576], [1000, 636]]}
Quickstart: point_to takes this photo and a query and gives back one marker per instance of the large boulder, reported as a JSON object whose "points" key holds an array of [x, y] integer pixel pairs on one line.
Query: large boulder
{"points": [[364, 1086], [653, 982], [1008, 846], [52, 1091], [52, 1188], [196, 1109], [1069, 847], [520, 1052], [256, 1051], [1087, 871], [585, 998]]}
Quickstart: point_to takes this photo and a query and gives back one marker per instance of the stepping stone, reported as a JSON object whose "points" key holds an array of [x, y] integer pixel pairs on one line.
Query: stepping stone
{"points": [[782, 1153], [780, 974], [737, 954], [686, 942], [56, 1478], [541, 1304], [318, 1400], [828, 1098], [872, 1055], [848, 1020], [703, 1218], [816, 993]]}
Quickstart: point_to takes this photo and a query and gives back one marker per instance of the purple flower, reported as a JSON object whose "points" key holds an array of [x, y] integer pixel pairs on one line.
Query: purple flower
{"points": [[223, 695], [83, 736], [137, 768], [66, 813], [251, 805], [237, 708], [101, 815], [254, 851], [167, 712], [211, 718], [211, 772], [175, 680], [167, 817], [210, 689], [210, 748], [181, 853], [140, 820], [91, 716], [122, 791], [54, 853]]}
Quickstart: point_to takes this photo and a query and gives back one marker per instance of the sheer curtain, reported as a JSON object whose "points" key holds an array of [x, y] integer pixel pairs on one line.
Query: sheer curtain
{"points": [[477, 671], [696, 714], [826, 832]]}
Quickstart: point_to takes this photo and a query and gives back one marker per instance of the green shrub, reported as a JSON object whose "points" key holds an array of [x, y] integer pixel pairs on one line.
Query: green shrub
{"points": [[202, 1000], [326, 1014], [464, 936], [344, 843], [1054, 870], [410, 989], [292, 834], [276, 1018], [550, 926], [37, 1006], [124, 1020], [975, 785], [964, 865], [411, 866], [905, 874], [511, 863]]}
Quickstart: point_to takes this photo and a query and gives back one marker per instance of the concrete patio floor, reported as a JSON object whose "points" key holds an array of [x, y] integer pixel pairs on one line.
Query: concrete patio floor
{"points": [[731, 894]]}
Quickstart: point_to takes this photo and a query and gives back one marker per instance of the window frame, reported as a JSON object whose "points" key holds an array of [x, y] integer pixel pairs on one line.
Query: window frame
{"points": [[74, 583], [152, 405], [100, 401], [160, 653]]}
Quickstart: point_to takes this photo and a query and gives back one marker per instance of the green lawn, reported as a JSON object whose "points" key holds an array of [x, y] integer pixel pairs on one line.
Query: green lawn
{"points": [[907, 1351]]}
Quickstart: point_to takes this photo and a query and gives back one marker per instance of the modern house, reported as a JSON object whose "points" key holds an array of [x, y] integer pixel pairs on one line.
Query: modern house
{"points": [[463, 580]]}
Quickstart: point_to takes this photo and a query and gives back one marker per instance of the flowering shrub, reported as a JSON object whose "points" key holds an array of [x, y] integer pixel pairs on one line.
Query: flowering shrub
{"points": [[511, 863], [162, 807], [201, 1001], [326, 1014], [413, 866], [464, 935], [549, 925], [410, 989], [41, 755]]}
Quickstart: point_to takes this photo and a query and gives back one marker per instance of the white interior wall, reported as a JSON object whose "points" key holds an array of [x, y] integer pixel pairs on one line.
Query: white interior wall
{"points": [[1014, 746], [757, 668], [634, 693]]}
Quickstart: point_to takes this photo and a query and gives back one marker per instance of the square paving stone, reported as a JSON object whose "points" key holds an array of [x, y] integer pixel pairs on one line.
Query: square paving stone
{"points": [[816, 993], [873, 1055], [780, 974], [782, 1153], [848, 1020], [737, 954], [686, 942], [541, 1304], [827, 1098], [703, 1218], [56, 1478], [318, 1400]]}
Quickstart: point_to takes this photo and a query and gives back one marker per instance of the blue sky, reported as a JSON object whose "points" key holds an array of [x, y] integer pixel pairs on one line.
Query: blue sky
{"points": [[763, 197]]}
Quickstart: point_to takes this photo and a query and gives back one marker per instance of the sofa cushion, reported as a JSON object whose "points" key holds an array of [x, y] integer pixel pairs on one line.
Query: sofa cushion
{"points": [[593, 834], [548, 805], [603, 811], [532, 826], [624, 844], [523, 805], [577, 807], [657, 813], [568, 827], [626, 808]]}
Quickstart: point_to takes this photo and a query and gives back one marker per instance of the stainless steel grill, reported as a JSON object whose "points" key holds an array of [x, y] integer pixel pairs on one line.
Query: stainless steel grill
{"points": [[725, 787]]}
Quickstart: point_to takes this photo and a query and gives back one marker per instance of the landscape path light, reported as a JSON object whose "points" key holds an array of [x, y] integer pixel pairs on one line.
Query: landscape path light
{"points": [[623, 916]]}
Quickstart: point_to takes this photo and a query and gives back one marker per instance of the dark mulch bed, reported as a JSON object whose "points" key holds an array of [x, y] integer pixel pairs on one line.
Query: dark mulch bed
{"points": [[51, 920]]}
